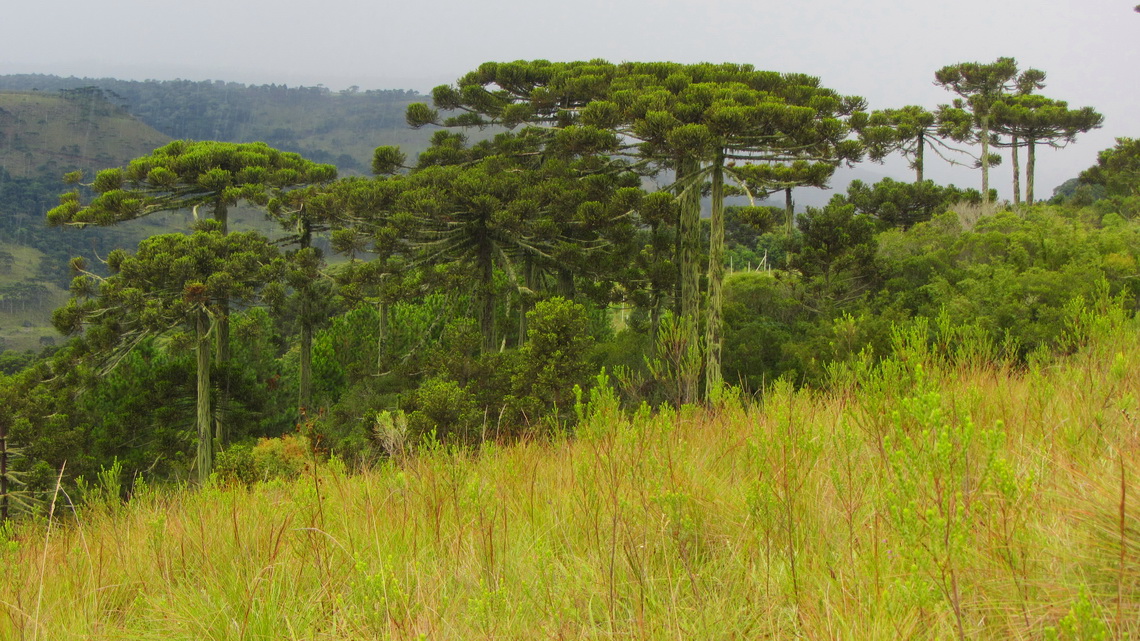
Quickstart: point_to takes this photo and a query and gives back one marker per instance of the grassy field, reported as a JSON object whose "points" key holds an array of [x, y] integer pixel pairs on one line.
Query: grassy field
{"points": [[23, 328], [44, 132], [936, 497]]}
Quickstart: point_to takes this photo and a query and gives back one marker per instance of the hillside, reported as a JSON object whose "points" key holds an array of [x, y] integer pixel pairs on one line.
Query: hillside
{"points": [[922, 500], [336, 127], [42, 136], [25, 299], [51, 125], [48, 134]]}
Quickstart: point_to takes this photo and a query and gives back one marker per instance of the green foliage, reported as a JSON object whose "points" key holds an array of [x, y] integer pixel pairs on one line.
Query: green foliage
{"points": [[445, 410], [285, 457], [140, 414], [1117, 169], [910, 131], [981, 88], [1082, 623], [1010, 275], [173, 283], [898, 204], [675, 363], [185, 174], [761, 314], [1037, 119], [169, 279], [453, 263], [980, 84], [553, 360], [835, 242], [940, 465]]}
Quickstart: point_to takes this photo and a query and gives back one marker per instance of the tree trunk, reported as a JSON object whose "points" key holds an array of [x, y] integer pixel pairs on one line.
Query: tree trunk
{"points": [[790, 215], [985, 137], [486, 298], [566, 287], [205, 418], [1030, 166], [713, 339], [529, 278], [690, 232], [789, 211], [918, 157], [1016, 174], [654, 322], [382, 335], [656, 296], [306, 383], [222, 341]]}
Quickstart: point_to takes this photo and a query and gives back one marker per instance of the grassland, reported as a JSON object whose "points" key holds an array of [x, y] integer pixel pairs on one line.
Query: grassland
{"points": [[23, 327], [942, 495], [47, 133]]}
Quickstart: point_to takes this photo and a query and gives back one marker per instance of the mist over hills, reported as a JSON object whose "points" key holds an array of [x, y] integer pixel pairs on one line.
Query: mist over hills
{"points": [[336, 127], [52, 125]]}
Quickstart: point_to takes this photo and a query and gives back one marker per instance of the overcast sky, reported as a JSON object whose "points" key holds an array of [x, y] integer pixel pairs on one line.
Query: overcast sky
{"points": [[884, 50]]}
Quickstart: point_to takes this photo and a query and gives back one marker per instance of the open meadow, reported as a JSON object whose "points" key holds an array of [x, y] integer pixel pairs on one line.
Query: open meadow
{"points": [[938, 495]]}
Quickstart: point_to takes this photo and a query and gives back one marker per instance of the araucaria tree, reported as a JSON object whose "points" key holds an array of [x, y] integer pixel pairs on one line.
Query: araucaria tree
{"points": [[980, 86], [1117, 169], [334, 206], [910, 131], [186, 175], [174, 283], [190, 175], [506, 205], [706, 123], [760, 130], [1030, 120]]}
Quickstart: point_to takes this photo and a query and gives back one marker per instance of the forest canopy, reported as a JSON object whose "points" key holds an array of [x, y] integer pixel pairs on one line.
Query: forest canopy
{"points": [[553, 228]]}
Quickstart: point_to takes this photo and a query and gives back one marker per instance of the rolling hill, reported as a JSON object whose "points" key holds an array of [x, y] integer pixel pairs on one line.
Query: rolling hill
{"points": [[51, 125]]}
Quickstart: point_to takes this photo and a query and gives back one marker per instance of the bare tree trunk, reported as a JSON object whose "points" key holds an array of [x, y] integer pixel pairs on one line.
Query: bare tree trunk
{"points": [[1016, 174], [790, 215], [985, 137], [530, 276], [690, 233], [1030, 166], [486, 298], [789, 210], [919, 153], [306, 383], [713, 339], [566, 287], [656, 295], [305, 393], [205, 418], [222, 342], [382, 335]]}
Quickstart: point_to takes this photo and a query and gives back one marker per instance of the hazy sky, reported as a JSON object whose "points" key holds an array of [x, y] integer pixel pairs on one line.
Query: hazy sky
{"points": [[884, 50]]}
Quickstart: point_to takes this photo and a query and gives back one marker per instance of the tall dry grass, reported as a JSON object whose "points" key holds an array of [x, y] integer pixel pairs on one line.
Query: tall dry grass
{"points": [[935, 497]]}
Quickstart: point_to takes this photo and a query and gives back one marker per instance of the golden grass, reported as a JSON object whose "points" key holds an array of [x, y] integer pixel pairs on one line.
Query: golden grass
{"points": [[779, 520]]}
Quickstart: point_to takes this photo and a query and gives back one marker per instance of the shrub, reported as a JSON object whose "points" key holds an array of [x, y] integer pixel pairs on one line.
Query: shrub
{"points": [[270, 458]]}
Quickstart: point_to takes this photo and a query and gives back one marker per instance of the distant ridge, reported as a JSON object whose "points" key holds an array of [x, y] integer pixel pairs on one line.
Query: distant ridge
{"points": [[44, 134], [342, 127]]}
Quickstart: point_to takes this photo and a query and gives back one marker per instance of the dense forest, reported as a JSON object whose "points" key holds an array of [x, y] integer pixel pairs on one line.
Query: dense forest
{"points": [[289, 118], [578, 246], [50, 126], [481, 282]]}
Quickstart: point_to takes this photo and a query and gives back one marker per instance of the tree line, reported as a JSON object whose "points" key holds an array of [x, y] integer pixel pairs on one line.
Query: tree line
{"points": [[475, 286]]}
